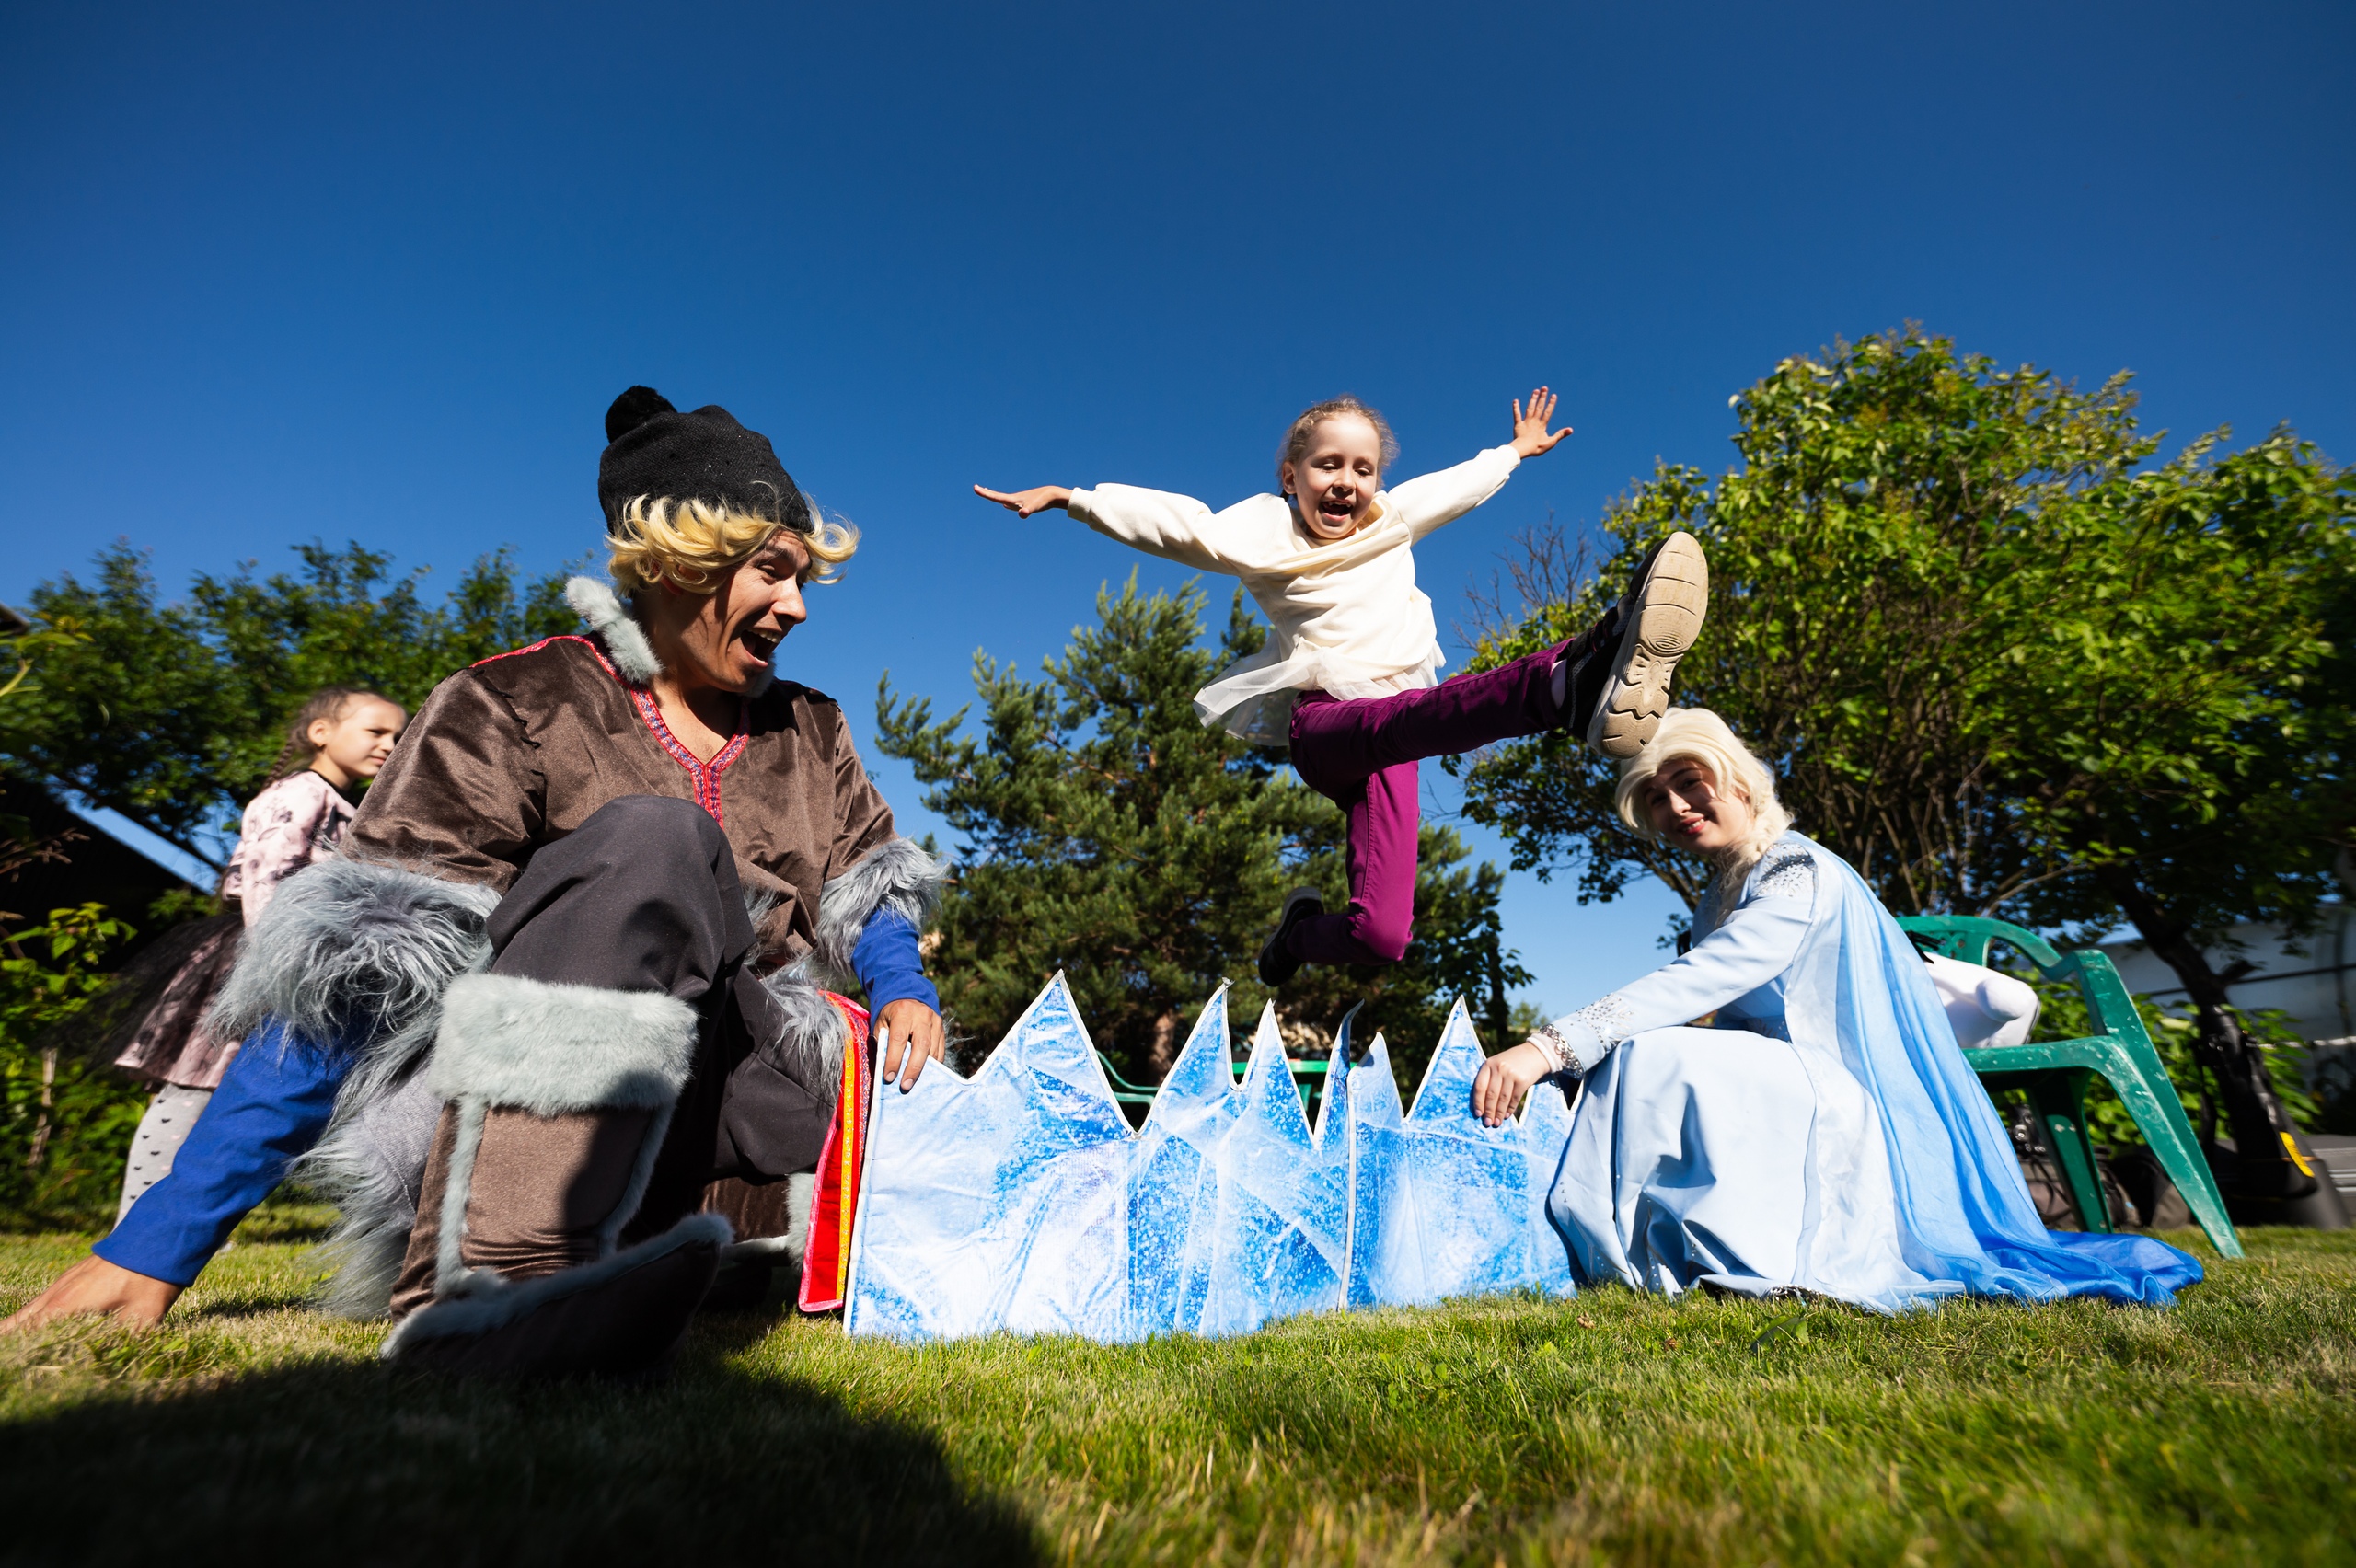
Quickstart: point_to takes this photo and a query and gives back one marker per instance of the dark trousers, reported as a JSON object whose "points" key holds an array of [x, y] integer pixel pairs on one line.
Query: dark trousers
{"points": [[643, 896], [1362, 755]]}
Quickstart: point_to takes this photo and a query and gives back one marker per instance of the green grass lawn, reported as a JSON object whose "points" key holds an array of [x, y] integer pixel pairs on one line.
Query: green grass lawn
{"points": [[1614, 1429]]}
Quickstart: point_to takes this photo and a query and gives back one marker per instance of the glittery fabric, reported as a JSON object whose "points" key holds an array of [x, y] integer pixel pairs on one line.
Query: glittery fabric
{"points": [[1021, 1201], [1610, 1019], [1786, 876]]}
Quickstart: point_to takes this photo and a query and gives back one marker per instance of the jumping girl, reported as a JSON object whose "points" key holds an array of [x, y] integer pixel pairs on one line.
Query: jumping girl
{"points": [[1349, 679]]}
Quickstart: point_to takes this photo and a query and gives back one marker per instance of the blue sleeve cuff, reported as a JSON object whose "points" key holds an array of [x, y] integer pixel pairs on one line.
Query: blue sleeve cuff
{"points": [[888, 965], [273, 1104]]}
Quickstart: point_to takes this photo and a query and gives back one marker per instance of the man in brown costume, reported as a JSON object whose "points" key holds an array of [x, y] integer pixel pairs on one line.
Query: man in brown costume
{"points": [[562, 986]]}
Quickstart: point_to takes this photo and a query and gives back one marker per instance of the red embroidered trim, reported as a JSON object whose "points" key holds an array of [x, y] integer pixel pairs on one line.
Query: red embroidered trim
{"points": [[543, 642], [703, 776]]}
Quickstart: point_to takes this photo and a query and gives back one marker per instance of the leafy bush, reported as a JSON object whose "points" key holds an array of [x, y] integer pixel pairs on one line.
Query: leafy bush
{"points": [[2061, 1015], [64, 1121]]}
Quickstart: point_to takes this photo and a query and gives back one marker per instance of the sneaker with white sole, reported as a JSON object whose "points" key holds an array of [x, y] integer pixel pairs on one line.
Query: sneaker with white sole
{"points": [[1659, 621]]}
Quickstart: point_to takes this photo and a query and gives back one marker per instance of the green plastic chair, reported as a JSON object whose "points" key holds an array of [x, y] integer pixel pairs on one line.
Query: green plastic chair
{"points": [[1307, 1077], [2055, 1073]]}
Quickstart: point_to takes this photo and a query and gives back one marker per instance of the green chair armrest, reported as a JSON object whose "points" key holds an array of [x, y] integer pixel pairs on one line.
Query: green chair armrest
{"points": [[1966, 938]]}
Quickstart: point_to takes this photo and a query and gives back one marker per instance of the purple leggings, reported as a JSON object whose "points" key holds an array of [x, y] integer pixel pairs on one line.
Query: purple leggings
{"points": [[1361, 754]]}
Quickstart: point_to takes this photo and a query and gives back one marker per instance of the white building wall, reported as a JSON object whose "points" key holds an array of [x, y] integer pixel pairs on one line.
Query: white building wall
{"points": [[2313, 980]]}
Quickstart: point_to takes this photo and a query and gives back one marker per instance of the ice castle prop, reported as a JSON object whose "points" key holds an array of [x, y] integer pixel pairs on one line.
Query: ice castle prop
{"points": [[1021, 1200]]}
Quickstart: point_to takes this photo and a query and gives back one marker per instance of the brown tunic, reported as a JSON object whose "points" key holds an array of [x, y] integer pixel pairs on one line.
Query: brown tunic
{"points": [[521, 749]]}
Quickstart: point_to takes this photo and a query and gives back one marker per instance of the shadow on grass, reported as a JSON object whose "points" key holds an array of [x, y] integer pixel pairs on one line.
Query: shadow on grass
{"points": [[341, 1461]]}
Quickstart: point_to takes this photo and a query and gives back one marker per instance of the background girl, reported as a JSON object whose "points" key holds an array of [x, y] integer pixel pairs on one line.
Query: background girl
{"points": [[1349, 678], [338, 739]]}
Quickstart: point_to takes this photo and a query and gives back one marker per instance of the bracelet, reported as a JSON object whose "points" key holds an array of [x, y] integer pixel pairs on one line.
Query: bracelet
{"points": [[1552, 1045]]}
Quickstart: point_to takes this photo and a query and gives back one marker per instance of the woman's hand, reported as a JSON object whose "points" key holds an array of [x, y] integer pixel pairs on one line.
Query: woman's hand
{"points": [[1529, 433], [1505, 1079], [1022, 504], [95, 1285], [912, 1035]]}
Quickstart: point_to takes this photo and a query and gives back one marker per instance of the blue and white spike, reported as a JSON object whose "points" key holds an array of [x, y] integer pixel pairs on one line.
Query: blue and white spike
{"points": [[1001, 1202], [1442, 1205], [1021, 1201], [1174, 1180]]}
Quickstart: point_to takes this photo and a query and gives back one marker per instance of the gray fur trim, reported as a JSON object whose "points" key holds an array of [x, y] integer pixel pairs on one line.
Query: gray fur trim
{"points": [[450, 1271], [757, 907], [801, 1195], [356, 954], [896, 875], [551, 1049], [351, 953], [487, 1301], [816, 1034], [626, 642], [372, 1163], [641, 1173]]}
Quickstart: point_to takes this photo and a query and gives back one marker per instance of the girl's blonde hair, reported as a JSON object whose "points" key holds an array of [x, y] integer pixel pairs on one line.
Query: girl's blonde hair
{"points": [[1701, 736], [1296, 442], [693, 544]]}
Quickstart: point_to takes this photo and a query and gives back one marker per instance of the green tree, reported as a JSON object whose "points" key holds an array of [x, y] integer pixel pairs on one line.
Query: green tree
{"points": [[2198, 776], [64, 1123], [1105, 831], [2000, 665], [172, 712], [21, 844], [1897, 553]]}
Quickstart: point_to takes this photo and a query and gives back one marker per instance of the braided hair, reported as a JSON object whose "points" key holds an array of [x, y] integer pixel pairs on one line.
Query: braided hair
{"points": [[330, 703]]}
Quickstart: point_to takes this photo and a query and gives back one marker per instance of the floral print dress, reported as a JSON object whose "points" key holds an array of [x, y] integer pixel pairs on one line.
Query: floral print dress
{"points": [[295, 821]]}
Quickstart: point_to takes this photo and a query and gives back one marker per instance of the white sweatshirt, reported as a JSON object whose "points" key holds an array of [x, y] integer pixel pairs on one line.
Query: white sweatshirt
{"points": [[1347, 618]]}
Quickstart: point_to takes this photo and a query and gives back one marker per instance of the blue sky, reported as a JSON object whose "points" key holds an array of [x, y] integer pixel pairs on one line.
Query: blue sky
{"points": [[275, 273]]}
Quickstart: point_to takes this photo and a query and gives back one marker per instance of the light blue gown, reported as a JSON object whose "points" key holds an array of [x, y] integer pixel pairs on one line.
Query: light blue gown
{"points": [[1827, 1133]]}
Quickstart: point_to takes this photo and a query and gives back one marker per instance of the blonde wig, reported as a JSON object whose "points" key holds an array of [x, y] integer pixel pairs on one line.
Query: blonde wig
{"points": [[1701, 736], [693, 544]]}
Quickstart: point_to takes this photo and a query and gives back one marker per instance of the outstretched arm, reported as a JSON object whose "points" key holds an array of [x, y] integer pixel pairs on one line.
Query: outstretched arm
{"points": [[1024, 503], [1749, 948], [1429, 500], [273, 1104]]}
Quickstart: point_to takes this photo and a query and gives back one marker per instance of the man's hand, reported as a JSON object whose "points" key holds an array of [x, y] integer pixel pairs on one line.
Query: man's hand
{"points": [[1022, 504], [1529, 433], [95, 1285], [911, 1034], [1505, 1079]]}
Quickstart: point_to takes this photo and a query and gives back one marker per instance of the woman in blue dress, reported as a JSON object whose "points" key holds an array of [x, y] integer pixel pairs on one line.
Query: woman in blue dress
{"points": [[1823, 1131]]}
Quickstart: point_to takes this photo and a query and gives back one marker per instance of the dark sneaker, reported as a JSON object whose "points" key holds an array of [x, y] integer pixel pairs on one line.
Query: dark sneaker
{"points": [[1659, 621], [1276, 962]]}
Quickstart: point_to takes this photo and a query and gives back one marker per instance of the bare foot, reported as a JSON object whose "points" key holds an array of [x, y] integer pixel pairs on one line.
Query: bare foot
{"points": [[95, 1285]]}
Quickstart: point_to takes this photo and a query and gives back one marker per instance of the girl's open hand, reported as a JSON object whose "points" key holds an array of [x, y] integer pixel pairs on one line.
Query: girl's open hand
{"points": [[1022, 504], [1529, 433], [1505, 1079]]}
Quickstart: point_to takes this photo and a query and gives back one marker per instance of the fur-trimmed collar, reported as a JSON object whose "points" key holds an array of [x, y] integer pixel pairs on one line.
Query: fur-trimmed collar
{"points": [[626, 641]]}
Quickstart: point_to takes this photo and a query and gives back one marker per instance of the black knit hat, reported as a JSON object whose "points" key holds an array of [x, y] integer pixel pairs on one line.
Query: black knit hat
{"points": [[654, 450]]}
